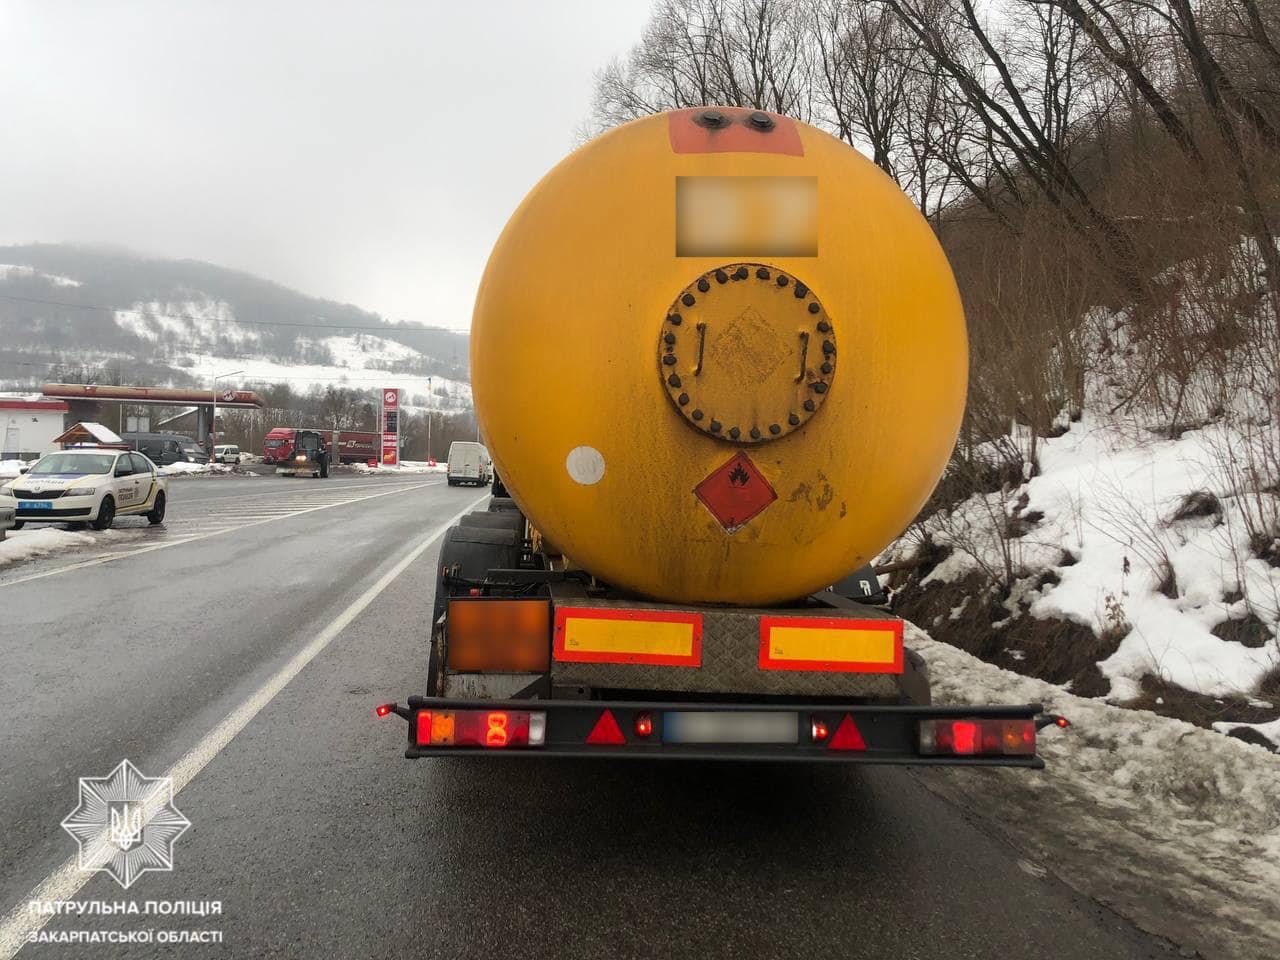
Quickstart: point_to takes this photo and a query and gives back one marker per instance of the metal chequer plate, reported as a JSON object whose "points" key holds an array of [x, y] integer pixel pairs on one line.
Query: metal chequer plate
{"points": [[730, 659], [747, 353]]}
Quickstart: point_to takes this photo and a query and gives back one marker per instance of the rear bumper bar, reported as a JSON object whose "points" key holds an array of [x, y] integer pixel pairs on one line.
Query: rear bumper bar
{"points": [[890, 734]]}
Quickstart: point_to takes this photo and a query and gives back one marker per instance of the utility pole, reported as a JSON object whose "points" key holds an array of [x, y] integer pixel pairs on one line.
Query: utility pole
{"points": [[429, 419], [213, 421]]}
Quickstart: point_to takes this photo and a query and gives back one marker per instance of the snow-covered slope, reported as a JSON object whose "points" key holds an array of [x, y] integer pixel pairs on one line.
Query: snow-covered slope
{"points": [[78, 312], [184, 322], [14, 270], [445, 395], [1146, 532], [1145, 536]]}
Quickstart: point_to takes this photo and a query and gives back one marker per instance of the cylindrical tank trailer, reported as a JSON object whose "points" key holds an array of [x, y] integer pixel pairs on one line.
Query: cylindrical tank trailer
{"points": [[718, 357]]}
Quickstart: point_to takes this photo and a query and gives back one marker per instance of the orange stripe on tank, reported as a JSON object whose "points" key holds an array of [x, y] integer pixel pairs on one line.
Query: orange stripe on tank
{"points": [[736, 136]]}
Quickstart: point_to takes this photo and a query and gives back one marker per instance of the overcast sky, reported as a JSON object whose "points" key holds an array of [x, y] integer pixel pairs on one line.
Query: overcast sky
{"points": [[368, 152]]}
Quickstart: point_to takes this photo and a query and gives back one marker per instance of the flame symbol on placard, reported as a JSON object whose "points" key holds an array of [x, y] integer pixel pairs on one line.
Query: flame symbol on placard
{"points": [[738, 476]]}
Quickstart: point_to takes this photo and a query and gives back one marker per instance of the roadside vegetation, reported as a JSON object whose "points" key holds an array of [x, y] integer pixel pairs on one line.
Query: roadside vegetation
{"points": [[1103, 175]]}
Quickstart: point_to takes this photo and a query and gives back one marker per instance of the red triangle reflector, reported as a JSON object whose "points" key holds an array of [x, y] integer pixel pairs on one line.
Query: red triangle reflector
{"points": [[606, 731], [846, 736]]}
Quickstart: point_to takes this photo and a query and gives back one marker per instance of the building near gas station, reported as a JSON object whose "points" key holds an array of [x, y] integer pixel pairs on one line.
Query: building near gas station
{"points": [[29, 425], [30, 422]]}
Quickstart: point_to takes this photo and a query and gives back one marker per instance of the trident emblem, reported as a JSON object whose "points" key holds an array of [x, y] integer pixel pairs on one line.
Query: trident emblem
{"points": [[126, 824]]}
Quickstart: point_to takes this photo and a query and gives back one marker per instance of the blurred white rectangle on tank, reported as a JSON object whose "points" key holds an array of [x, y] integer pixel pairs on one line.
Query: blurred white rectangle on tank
{"points": [[746, 216]]}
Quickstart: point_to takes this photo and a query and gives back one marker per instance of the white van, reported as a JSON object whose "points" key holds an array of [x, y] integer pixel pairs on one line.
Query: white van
{"points": [[468, 463]]}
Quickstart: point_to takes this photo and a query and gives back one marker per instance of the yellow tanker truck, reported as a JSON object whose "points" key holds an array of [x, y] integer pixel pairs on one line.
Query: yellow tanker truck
{"points": [[719, 361]]}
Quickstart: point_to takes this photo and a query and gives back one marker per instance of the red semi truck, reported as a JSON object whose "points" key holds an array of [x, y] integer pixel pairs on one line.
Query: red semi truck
{"points": [[346, 446]]}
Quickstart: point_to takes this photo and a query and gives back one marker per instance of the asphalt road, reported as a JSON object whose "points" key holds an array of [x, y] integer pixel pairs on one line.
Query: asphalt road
{"points": [[186, 649]]}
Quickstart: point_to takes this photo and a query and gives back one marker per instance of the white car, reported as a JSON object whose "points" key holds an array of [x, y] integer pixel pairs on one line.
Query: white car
{"points": [[90, 485], [226, 453]]}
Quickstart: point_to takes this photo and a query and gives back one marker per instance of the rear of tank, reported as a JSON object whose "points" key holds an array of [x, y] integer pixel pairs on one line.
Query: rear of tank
{"points": [[719, 361]]}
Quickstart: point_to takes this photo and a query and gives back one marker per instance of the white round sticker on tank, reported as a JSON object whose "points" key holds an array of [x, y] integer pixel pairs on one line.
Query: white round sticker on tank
{"points": [[585, 465]]}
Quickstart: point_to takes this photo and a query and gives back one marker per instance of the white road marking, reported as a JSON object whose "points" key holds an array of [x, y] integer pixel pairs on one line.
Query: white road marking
{"points": [[109, 558], [65, 882], [1032, 869], [292, 490]]}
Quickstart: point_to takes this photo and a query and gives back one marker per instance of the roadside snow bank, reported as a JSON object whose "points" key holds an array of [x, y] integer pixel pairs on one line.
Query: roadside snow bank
{"points": [[194, 469], [1165, 822], [1145, 540], [41, 541], [405, 466], [1118, 504], [1268, 731], [12, 468]]}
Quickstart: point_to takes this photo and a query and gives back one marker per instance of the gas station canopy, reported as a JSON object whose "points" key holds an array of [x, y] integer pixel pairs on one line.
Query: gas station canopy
{"points": [[149, 395]]}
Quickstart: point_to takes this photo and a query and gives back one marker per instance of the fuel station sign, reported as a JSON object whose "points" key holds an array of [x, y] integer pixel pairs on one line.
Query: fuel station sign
{"points": [[391, 426]]}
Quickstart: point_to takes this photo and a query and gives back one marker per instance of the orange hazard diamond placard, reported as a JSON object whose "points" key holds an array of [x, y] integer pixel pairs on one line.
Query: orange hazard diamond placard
{"points": [[735, 492]]}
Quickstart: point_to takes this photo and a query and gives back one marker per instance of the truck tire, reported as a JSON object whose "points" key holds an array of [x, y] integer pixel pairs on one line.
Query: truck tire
{"points": [[498, 504], [474, 551]]}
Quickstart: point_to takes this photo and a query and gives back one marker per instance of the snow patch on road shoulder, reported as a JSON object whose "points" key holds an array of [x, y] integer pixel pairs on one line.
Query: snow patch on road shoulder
{"points": [[1164, 821], [404, 466], [25, 544], [182, 469]]}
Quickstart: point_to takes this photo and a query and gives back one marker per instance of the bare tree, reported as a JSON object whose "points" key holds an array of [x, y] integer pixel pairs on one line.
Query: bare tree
{"points": [[747, 53], [1023, 145]]}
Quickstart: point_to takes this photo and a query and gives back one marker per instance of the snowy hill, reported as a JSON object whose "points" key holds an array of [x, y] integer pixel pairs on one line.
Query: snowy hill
{"points": [[1133, 556], [85, 313]]}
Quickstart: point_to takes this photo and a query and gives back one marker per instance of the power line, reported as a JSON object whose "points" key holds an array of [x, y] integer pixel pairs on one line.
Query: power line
{"points": [[386, 328]]}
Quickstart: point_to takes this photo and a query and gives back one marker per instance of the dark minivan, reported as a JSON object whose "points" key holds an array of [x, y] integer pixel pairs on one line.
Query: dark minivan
{"points": [[167, 448]]}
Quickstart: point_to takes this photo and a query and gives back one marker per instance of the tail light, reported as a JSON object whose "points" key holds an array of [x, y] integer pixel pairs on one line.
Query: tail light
{"points": [[644, 724], [978, 738], [498, 635], [491, 729]]}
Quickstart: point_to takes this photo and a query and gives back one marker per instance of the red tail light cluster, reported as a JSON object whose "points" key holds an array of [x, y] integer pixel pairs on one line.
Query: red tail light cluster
{"points": [[978, 738], [492, 729]]}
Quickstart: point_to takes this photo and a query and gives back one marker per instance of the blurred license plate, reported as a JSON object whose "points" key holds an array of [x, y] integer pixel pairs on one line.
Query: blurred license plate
{"points": [[729, 727], [34, 505]]}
